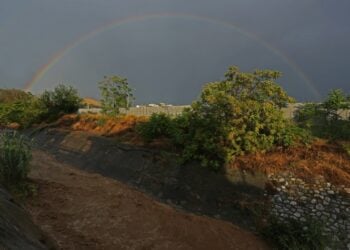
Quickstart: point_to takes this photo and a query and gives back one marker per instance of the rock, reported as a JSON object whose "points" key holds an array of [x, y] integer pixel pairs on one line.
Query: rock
{"points": [[281, 180], [297, 215], [293, 203]]}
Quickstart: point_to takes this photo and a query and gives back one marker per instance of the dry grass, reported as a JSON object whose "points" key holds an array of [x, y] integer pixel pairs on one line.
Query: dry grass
{"points": [[322, 158], [123, 127]]}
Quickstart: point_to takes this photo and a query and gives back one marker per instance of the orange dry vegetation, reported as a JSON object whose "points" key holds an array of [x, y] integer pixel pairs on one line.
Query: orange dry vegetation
{"points": [[322, 158], [123, 126]]}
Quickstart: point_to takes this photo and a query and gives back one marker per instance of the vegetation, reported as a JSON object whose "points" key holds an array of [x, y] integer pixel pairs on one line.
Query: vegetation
{"points": [[62, 100], [295, 235], [158, 126], [30, 109], [15, 154], [324, 119], [241, 114], [116, 94]]}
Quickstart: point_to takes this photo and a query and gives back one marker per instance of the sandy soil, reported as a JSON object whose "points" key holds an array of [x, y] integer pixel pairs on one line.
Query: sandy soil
{"points": [[81, 210]]}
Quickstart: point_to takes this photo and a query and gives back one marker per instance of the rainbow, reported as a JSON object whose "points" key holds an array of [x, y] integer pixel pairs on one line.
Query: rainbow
{"points": [[55, 58]]}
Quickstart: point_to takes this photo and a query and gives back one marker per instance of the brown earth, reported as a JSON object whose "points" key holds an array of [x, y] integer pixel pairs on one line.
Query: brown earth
{"points": [[81, 210]]}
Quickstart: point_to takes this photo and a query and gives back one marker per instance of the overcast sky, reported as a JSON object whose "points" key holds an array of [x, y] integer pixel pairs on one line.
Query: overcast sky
{"points": [[168, 58]]}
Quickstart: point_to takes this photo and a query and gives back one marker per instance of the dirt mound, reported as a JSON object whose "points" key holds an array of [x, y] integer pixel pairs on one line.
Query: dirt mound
{"points": [[87, 211], [322, 158]]}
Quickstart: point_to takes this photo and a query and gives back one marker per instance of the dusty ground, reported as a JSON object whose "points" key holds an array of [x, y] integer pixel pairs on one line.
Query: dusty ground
{"points": [[87, 211]]}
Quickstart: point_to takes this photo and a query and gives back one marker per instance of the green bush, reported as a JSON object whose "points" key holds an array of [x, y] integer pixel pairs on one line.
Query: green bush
{"points": [[31, 109], [15, 154], [159, 125], [24, 112], [241, 114], [295, 235], [62, 100]]}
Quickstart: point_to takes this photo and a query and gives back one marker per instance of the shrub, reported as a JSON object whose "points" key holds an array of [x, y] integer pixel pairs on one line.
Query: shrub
{"points": [[15, 154], [238, 115], [159, 125], [295, 235], [62, 100], [24, 112]]}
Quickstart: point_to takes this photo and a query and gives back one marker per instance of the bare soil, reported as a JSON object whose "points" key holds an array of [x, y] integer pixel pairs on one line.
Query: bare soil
{"points": [[81, 210]]}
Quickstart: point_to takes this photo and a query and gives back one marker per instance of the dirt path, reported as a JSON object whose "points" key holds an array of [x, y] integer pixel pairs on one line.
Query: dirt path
{"points": [[87, 211]]}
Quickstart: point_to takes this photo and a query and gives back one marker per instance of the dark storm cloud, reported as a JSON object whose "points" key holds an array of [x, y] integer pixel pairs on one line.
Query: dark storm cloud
{"points": [[168, 59]]}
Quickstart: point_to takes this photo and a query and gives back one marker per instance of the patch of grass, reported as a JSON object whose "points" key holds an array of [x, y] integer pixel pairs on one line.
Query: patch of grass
{"points": [[15, 155]]}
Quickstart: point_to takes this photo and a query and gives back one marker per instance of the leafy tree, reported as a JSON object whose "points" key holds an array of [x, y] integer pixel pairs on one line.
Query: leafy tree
{"points": [[240, 114], [116, 94]]}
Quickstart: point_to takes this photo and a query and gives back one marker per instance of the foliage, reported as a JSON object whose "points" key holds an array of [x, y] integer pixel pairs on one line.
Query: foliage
{"points": [[15, 154], [293, 234], [159, 125], [116, 94], [62, 100], [31, 109], [324, 119], [238, 115], [24, 112]]}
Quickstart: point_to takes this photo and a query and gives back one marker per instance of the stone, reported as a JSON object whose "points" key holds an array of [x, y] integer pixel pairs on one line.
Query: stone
{"points": [[281, 180], [319, 207]]}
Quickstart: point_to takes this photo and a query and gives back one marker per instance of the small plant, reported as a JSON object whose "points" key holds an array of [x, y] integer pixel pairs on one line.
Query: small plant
{"points": [[15, 155], [295, 235]]}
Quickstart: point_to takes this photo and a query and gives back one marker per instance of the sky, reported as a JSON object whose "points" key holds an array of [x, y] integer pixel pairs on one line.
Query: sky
{"points": [[168, 49]]}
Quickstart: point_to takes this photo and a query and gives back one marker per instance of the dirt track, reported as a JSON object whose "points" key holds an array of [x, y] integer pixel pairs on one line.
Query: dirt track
{"points": [[87, 211]]}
